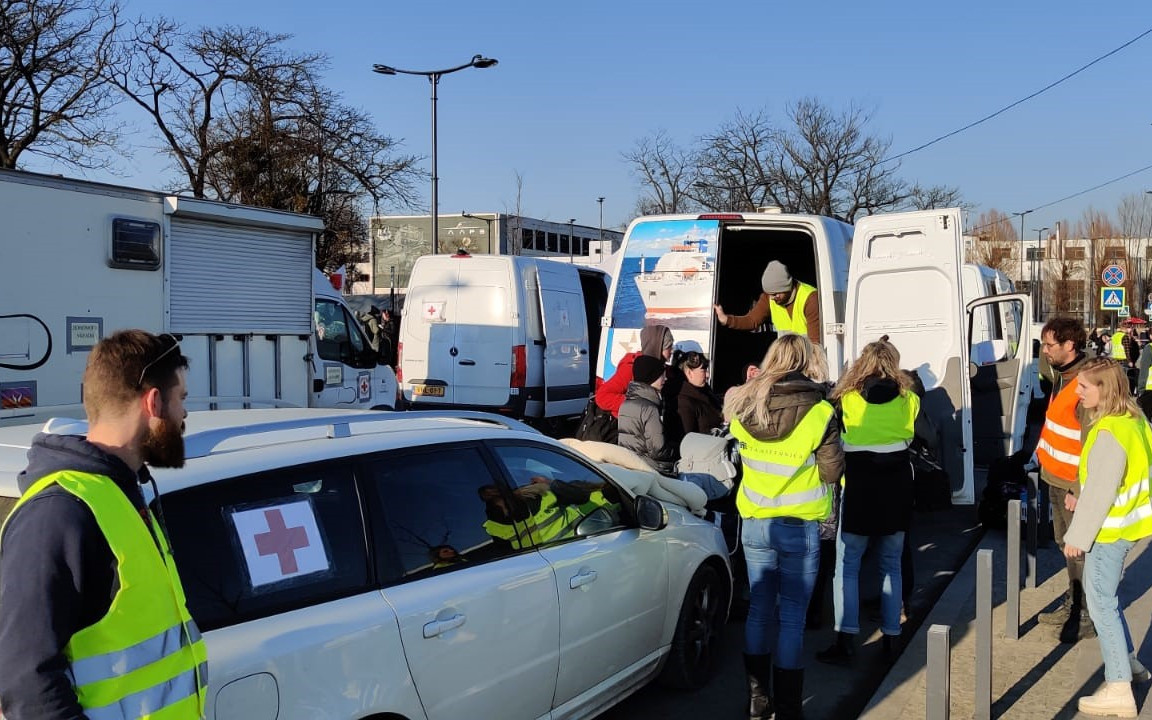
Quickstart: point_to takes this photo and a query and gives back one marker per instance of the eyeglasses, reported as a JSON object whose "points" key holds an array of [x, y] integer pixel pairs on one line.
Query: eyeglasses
{"points": [[175, 345]]}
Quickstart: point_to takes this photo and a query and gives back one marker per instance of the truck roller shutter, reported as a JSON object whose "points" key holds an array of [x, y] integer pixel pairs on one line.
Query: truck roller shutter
{"points": [[227, 278]]}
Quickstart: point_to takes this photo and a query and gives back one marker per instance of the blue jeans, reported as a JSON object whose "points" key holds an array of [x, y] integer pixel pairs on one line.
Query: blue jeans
{"points": [[783, 556], [846, 583], [1103, 566]]}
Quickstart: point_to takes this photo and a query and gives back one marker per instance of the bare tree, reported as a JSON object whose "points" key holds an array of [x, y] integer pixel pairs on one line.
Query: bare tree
{"points": [[734, 165], [934, 197], [515, 223], [1105, 247], [666, 172], [54, 98], [1063, 273], [995, 242]]}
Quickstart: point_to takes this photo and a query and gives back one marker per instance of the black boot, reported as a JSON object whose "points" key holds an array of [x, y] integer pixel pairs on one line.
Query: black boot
{"points": [[789, 693], [1070, 632], [888, 645], [840, 652], [758, 670]]}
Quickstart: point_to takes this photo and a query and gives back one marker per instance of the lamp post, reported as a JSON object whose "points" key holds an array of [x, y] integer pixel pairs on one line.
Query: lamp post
{"points": [[600, 200], [488, 223], [571, 237], [1037, 276], [477, 61], [1022, 214]]}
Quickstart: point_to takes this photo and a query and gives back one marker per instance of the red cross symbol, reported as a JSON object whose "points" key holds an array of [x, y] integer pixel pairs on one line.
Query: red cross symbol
{"points": [[363, 386], [431, 310], [281, 541]]}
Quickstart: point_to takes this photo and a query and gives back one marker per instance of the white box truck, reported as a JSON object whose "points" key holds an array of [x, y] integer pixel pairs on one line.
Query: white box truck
{"points": [[235, 284], [509, 334], [895, 274]]}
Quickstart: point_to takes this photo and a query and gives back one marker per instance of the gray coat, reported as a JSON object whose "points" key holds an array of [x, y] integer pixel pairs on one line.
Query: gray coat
{"points": [[641, 429]]}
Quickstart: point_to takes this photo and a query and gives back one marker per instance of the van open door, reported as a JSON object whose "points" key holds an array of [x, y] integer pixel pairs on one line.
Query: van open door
{"points": [[566, 346], [1000, 349], [904, 282]]}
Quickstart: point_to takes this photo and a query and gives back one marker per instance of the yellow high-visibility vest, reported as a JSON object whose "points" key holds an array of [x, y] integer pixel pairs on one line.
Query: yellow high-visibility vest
{"points": [[145, 658], [878, 427], [1118, 346], [793, 324], [1130, 517], [780, 477]]}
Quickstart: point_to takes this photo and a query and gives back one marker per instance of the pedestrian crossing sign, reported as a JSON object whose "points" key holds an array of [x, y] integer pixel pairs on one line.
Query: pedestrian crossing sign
{"points": [[1112, 298]]}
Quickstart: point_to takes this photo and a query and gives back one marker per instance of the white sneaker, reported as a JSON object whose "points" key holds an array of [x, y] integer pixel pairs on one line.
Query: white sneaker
{"points": [[1115, 699]]}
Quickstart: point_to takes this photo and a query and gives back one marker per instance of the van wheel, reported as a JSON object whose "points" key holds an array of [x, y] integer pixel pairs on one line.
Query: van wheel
{"points": [[697, 643]]}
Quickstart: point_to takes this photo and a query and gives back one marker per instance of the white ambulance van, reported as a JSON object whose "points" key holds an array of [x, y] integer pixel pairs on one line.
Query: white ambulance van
{"points": [[236, 285], [509, 334], [896, 274]]}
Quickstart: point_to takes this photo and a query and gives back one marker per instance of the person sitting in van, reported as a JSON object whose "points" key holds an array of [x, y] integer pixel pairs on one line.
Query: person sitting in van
{"points": [[655, 342], [641, 427], [791, 305]]}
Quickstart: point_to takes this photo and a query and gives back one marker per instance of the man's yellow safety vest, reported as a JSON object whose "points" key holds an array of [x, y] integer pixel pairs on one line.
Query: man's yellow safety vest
{"points": [[551, 522], [145, 658], [780, 476], [878, 427], [1130, 517], [793, 324], [1118, 352]]}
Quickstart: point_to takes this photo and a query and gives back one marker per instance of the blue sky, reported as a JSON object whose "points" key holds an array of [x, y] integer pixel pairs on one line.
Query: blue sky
{"points": [[579, 83]]}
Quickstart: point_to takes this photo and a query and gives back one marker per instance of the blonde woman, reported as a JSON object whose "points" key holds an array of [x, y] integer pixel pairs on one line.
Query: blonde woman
{"points": [[878, 410], [1112, 512], [791, 455]]}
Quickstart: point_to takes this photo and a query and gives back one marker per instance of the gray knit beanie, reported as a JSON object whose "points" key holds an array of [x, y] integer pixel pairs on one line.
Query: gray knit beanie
{"points": [[776, 278]]}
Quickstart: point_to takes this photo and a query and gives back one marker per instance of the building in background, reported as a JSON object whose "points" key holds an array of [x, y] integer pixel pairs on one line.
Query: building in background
{"points": [[397, 240]]}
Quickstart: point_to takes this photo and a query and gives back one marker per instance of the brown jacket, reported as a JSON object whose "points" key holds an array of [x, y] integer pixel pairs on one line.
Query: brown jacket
{"points": [[761, 313]]}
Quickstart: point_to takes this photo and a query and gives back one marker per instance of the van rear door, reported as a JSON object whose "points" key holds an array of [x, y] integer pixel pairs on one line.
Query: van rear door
{"points": [[904, 282], [565, 339]]}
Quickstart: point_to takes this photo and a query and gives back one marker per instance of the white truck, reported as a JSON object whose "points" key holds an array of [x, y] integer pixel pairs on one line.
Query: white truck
{"points": [[900, 275], [235, 284]]}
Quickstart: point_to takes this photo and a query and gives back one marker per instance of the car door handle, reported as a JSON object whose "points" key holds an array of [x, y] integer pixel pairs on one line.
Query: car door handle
{"points": [[582, 579], [439, 627], [467, 362]]}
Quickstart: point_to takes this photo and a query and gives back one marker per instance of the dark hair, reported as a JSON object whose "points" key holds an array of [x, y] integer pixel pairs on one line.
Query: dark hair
{"points": [[125, 365], [691, 359], [1065, 329]]}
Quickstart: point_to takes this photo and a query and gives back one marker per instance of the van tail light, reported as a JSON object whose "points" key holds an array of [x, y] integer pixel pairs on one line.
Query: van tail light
{"points": [[519, 366], [399, 363]]}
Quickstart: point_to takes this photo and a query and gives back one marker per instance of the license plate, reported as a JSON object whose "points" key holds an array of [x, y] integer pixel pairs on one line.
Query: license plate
{"points": [[428, 390]]}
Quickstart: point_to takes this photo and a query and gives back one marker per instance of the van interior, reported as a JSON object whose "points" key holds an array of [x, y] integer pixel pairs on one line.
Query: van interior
{"points": [[741, 256], [595, 301]]}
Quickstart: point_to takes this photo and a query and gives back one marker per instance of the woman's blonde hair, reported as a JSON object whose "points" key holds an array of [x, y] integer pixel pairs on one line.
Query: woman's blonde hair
{"points": [[1112, 380], [788, 353], [879, 359]]}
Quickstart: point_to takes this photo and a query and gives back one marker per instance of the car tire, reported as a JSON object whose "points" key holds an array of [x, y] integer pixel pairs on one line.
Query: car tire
{"points": [[697, 642]]}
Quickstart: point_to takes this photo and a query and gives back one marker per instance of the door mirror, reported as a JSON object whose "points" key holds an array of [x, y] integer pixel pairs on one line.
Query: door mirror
{"points": [[650, 513]]}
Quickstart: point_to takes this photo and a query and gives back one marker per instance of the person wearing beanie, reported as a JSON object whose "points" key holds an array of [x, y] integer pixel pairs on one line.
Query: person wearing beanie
{"points": [[655, 342], [792, 306], [641, 427]]}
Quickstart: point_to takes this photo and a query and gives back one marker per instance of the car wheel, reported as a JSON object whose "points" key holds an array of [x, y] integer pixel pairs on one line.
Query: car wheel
{"points": [[696, 645]]}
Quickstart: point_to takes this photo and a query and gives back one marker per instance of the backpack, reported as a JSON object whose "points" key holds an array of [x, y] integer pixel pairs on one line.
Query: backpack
{"points": [[597, 424], [714, 455]]}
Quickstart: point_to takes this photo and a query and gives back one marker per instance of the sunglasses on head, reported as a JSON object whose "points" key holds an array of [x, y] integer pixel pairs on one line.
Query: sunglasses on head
{"points": [[174, 346], [694, 360]]}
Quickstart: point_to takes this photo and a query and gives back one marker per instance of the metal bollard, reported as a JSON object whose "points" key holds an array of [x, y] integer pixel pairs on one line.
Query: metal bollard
{"points": [[983, 704], [939, 668], [1012, 616], [1033, 522]]}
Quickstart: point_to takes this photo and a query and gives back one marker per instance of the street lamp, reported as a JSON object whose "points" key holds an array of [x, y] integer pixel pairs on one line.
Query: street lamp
{"points": [[477, 61], [571, 237], [1037, 276], [601, 201], [1022, 214], [488, 223]]}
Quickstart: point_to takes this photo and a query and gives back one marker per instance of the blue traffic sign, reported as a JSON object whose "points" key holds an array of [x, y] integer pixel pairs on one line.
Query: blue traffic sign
{"points": [[1112, 298], [1113, 275]]}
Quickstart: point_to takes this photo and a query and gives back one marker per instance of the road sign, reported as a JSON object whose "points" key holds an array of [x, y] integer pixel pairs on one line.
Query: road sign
{"points": [[1113, 275], [1111, 298], [1122, 312]]}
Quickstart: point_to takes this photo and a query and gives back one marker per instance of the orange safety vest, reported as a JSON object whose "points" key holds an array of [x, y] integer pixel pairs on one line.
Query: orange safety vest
{"points": [[1059, 448]]}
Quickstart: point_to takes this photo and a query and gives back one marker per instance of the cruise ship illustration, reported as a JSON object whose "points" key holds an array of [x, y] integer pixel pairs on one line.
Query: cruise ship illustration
{"points": [[681, 281]]}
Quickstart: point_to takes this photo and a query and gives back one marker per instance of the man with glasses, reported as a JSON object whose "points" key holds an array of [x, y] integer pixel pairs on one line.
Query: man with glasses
{"points": [[1062, 341], [793, 306], [94, 622]]}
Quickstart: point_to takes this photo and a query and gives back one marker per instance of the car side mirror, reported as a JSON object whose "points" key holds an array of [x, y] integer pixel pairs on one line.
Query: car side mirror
{"points": [[650, 513]]}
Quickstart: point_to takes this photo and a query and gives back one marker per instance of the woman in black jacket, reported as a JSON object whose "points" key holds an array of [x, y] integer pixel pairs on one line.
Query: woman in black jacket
{"points": [[696, 408]]}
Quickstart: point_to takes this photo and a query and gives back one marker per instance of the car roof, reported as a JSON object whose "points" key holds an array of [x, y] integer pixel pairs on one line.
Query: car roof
{"points": [[227, 443]]}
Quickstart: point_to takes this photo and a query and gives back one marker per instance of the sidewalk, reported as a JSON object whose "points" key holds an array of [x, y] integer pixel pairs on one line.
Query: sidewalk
{"points": [[1034, 677]]}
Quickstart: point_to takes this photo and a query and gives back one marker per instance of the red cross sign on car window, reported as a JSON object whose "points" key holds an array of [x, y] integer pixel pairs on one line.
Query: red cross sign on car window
{"points": [[281, 541]]}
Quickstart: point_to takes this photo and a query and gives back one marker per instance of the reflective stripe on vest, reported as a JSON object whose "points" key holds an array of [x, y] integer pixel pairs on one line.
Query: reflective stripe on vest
{"points": [[781, 478], [546, 524], [1118, 346], [794, 324], [145, 657], [1130, 516], [1059, 448], [878, 427]]}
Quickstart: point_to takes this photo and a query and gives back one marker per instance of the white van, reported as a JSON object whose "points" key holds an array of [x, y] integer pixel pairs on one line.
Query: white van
{"points": [[510, 334], [897, 275]]}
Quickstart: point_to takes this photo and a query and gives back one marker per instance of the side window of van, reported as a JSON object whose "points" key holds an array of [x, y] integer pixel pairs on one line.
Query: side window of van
{"points": [[264, 544], [437, 510], [338, 338]]}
